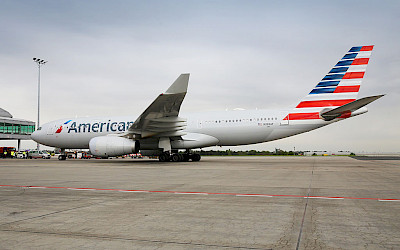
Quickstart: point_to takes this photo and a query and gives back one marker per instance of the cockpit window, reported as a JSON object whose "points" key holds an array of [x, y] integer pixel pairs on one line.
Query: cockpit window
{"points": [[39, 128]]}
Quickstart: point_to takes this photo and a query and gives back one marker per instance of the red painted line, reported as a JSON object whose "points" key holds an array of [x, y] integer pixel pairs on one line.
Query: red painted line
{"points": [[367, 48], [346, 89], [360, 61], [345, 114], [204, 193], [353, 75], [302, 116], [323, 103]]}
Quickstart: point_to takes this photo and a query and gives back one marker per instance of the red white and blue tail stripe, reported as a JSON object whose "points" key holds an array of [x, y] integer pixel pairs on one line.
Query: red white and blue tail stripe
{"points": [[339, 87]]}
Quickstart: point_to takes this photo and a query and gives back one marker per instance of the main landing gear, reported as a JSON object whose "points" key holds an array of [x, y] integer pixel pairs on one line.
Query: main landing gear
{"points": [[165, 144], [177, 157]]}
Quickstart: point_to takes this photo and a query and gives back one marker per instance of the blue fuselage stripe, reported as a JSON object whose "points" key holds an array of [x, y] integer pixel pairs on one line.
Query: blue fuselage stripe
{"points": [[339, 70], [350, 56], [328, 84], [333, 77], [322, 91]]}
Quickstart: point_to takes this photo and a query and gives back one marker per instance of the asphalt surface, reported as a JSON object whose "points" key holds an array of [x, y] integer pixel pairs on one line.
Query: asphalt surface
{"points": [[217, 203]]}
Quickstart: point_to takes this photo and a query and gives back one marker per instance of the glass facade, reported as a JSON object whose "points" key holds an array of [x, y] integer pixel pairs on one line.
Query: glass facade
{"points": [[9, 128]]}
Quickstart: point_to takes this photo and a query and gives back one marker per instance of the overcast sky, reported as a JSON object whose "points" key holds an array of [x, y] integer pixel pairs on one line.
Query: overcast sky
{"points": [[115, 57]]}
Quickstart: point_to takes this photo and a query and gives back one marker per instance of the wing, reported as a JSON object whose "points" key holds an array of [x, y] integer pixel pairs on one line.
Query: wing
{"points": [[161, 119]]}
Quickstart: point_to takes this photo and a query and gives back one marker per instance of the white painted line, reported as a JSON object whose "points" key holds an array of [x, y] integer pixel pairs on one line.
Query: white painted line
{"points": [[200, 193]]}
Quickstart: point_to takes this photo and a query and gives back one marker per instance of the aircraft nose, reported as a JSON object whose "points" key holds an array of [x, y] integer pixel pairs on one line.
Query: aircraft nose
{"points": [[35, 136]]}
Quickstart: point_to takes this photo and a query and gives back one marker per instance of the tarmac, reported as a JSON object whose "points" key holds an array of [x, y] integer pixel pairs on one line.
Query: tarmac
{"points": [[270, 202]]}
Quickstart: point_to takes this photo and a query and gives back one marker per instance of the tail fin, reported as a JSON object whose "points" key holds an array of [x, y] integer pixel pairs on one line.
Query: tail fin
{"points": [[339, 87]]}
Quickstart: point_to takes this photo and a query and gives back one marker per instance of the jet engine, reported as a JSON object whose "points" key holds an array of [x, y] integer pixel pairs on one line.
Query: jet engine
{"points": [[106, 146]]}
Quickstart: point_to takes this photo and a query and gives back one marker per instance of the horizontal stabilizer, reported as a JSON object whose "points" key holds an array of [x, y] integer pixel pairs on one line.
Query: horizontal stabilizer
{"points": [[349, 107]]}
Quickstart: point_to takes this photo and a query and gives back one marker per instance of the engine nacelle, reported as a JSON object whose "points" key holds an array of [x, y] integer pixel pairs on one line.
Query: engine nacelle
{"points": [[106, 146]]}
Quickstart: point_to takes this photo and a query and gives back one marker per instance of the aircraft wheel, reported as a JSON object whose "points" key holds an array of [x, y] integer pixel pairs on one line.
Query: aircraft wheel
{"points": [[196, 157], [181, 157], [176, 157], [62, 157], [164, 157], [186, 157]]}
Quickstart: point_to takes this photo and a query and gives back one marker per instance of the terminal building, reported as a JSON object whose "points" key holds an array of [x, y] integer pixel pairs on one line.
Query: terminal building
{"points": [[15, 129]]}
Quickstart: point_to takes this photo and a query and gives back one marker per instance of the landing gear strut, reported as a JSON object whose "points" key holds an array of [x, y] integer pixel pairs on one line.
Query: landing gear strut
{"points": [[165, 144]]}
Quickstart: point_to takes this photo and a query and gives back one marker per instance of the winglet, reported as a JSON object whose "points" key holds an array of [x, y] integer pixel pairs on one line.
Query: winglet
{"points": [[180, 85]]}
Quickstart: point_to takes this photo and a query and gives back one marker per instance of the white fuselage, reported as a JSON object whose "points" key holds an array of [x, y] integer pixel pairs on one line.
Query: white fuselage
{"points": [[227, 128], [161, 127]]}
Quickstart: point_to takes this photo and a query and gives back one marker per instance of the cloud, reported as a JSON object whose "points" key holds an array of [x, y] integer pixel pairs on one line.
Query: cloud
{"points": [[115, 58]]}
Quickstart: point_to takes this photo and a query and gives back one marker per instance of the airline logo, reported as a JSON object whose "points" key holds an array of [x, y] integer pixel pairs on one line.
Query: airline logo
{"points": [[61, 127], [339, 87], [99, 127]]}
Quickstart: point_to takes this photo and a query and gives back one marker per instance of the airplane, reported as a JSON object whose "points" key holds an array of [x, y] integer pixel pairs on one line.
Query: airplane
{"points": [[162, 131]]}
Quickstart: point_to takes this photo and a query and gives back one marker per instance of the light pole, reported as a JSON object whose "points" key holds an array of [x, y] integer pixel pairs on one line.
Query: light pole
{"points": [[39, 63]]}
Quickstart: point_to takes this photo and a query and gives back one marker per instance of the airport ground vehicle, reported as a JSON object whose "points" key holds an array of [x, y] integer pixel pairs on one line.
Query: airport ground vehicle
{"points": [[161, 130], [5, 152], [136, 156], [86, 155], [34, 154], [70, 155], [75, 155], [21, 155]]}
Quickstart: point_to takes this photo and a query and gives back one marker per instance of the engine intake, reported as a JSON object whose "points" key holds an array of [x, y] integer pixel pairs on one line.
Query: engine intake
{"points": [[106, 146]]}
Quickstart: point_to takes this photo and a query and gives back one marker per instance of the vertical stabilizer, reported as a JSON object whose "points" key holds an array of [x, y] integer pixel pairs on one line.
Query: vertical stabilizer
{"points": [[339, 87]]}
